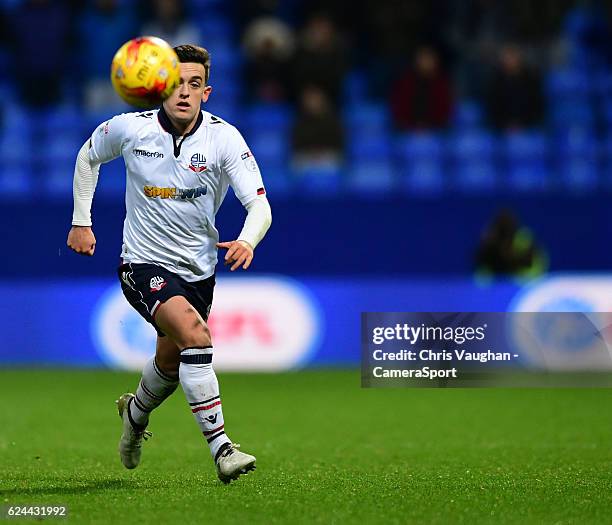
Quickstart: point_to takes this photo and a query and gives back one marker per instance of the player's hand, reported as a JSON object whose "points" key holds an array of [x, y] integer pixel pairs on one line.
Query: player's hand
{"points": [[239, 253], [81, 239]]}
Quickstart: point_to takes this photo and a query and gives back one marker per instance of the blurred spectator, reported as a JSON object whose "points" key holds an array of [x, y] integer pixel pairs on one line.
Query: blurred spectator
{"points": [[506, 249], [104, 27], [392, 32], [38, 31], [269, 45], [515, 97], [318, 136], [169, 22], [421, 98], [321, 58]]}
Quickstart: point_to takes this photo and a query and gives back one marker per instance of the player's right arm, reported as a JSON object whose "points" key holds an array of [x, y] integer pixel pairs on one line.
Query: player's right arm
{"points": [[105, 144]]}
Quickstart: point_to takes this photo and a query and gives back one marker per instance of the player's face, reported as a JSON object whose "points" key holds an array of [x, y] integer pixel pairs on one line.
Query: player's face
{"points": [[184, 103]]}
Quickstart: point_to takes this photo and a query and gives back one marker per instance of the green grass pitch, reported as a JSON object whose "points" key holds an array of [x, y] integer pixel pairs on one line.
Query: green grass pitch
{"points": [[327, 452]]}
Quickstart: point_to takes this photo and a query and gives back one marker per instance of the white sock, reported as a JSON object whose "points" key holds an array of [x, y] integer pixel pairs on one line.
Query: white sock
{"points": [[154, 387], [201, 388]]}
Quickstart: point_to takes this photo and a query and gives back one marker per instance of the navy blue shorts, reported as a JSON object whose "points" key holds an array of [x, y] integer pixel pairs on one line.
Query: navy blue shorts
{"points": [[147, 286]]}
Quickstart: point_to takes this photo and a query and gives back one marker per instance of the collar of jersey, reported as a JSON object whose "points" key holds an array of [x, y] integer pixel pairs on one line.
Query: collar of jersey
{"points": [[165, 123]]}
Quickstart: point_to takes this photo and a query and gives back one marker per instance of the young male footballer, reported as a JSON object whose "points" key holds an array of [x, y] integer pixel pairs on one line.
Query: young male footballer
{"points": [[179, 162]]}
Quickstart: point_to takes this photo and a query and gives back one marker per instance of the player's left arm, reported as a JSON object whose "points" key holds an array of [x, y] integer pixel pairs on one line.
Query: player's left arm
{"points": [[245, 178]]}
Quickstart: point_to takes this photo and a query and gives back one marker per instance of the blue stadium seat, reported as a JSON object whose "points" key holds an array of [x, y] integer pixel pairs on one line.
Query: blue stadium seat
{"points": [[468, 114], [111, 182], [277, 181], [474, 161], [355, 88], [322, 181], [564, 83], [577, 159], [572, 112], [204, 6], [270, 147], [370, 148], [214, 28], [420, 160], [602, 83], [60, 119], [227, 89], [16, 181], [367, 118], [579, 174], [576, 140], [224, 109], [371, 178], [15, 146], [606, 111], [56, 179], [17, 117], [268, 116], [526, 160], [63, 147]]}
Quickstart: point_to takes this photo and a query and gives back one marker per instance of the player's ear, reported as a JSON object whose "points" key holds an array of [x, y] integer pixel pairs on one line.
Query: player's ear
{"points": [[206, 93]]}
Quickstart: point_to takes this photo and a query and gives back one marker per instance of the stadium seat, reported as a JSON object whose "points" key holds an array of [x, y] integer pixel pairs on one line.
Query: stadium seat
{"points": [[367, 118], [271, 148], [468, 114], [567, 83], [474, 155], [526, 160], [56, 179], [370, 148], [579, 174], [226, 110], [278, 181], [16, 180], [15, 146], [577, 159], [355, 88], [571, 112], [606, 112], [371, 178], [420, 159], [214, 27], [65, 117], [322, 181], [112, 179], [268, 116], [63, 147]]}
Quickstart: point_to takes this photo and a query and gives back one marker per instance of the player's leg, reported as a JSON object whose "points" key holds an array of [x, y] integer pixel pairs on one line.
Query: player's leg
{"points": [[186, 327], [159, 380], [145, 286], [156, 384]]}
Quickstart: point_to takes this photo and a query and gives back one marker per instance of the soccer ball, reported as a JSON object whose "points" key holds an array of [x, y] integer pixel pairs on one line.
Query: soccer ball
{"points": [[145, 71]]}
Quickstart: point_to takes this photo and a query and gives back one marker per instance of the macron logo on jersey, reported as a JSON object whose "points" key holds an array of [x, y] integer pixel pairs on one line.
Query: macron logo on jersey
{"points": [[147, 154]]}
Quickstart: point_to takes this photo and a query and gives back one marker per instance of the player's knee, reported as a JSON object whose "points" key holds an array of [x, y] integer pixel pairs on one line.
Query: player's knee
{"points": [[198, 337]]}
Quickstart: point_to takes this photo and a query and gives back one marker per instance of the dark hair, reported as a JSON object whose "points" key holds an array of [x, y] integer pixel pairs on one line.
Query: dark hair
{"points": [[196, 54]]}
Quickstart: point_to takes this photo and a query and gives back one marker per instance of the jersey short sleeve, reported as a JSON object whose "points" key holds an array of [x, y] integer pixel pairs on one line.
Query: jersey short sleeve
{"points": [[108, 139], [241, 168]]}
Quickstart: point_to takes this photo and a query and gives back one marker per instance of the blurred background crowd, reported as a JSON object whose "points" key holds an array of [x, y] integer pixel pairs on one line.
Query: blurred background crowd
{"points": [[410, 96]]}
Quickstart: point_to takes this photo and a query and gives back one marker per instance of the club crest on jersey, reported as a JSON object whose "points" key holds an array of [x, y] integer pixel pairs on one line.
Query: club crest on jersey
{"points": [[198, 163], [157, 283]]}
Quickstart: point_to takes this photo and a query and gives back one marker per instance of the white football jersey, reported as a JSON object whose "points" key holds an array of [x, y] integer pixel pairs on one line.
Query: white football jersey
{"points": [[175, 186]]}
